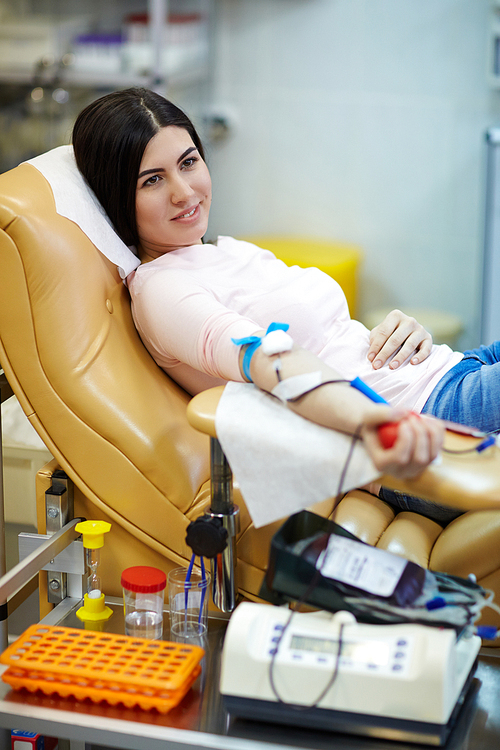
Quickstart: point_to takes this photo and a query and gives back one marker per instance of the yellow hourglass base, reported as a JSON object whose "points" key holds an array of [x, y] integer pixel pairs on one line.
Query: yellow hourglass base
{"points": [[93, 610]]}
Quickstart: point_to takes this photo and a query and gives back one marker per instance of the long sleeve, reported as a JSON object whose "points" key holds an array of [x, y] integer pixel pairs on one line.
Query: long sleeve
{"points": [[182, 322]]}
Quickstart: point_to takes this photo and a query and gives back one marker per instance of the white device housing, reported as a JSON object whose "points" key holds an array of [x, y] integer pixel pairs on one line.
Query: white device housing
{"points": [[404, 672]]}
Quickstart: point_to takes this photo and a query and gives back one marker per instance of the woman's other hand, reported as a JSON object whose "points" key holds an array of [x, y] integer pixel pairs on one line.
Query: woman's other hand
{"points": [[419, 441], [398, 336]]}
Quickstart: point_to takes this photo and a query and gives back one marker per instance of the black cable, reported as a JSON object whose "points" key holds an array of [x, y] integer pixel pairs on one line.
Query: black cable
{"points": [[312, 584], [314, 388], [461, 452]]}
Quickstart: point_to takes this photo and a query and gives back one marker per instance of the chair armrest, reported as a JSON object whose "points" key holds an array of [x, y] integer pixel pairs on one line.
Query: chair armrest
{"points": [[466, 481], [469, 481], [201, 410]]}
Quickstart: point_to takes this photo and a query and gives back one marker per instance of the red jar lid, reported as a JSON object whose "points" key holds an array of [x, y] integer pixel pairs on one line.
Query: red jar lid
{"points": [[144, 579]]}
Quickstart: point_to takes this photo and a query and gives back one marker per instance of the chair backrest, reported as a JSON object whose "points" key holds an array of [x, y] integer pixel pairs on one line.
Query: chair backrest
{"points": [[115, 421]]}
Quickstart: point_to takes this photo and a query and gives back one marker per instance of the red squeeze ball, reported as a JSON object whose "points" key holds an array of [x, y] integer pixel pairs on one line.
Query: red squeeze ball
{"points": [[388, 434]]}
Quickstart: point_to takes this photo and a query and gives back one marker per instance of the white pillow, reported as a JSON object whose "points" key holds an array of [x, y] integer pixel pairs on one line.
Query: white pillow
{"points": [[76, 201]]}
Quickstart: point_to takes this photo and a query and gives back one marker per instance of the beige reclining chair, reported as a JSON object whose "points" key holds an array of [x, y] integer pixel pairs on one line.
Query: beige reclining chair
{"points": [[117, 425], [113, 420]]}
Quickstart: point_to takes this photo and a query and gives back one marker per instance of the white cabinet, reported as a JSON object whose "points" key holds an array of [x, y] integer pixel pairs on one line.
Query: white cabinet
{"points": [[58, 55], [159, 44]]}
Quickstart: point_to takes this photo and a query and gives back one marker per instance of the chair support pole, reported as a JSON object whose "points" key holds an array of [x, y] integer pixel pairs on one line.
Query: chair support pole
{"points": [[224, 573], [221, 480]]}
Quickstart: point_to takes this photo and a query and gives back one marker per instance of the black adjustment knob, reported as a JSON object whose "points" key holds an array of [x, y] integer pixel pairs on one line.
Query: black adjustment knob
{"points": [[206, 536]]}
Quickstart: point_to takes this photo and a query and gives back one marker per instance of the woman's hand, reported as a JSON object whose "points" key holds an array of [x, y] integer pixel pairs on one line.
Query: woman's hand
{"points": [[418, 443], [401, 336]]}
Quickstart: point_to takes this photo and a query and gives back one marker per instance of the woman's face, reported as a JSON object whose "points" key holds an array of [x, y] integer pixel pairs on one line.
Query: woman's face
{"points": [[173, 194]]}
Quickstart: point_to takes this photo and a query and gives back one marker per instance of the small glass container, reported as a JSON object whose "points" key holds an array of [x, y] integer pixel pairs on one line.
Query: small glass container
{"points": [[188, 593], [143, 595]]}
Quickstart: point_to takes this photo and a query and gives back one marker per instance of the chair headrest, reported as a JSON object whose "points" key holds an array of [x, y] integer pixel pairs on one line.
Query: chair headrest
{"points": [[76, 201]]}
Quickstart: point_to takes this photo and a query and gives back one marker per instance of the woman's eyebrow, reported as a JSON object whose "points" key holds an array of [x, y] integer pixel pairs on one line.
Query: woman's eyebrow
{"points": [[150, 171], [160, 169], [186, 152]]}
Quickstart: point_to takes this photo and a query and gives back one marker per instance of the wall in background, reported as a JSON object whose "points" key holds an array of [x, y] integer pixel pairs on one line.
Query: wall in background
{"points": [[357, 120], [364, 121]]}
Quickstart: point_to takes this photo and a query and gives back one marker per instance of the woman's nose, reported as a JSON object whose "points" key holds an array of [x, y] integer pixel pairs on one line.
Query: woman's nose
{"points": [[181, 191]]}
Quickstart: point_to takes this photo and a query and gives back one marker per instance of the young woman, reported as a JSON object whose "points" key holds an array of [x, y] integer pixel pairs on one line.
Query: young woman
{"points": [[144, 160]]}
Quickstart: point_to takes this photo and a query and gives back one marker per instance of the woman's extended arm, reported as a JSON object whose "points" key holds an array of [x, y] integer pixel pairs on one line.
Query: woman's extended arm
{"points": [[398, 336], [343, 408]]}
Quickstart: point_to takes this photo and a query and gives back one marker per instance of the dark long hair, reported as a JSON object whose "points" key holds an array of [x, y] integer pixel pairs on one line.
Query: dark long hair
{"points": [[109, 139]]}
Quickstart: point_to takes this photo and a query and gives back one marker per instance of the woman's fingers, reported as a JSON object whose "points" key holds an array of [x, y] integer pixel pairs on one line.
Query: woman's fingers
{"points": [[418, 343], [399, 336], [381, 345]]}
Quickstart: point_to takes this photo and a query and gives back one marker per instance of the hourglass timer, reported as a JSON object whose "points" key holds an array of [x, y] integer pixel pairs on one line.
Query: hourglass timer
{"points": [[94, 608]]}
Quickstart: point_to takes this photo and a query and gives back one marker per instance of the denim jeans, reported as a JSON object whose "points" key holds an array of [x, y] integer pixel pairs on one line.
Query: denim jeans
{"points": [[468, 394]]}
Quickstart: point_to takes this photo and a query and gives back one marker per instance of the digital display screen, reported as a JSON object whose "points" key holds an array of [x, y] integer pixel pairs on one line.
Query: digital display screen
{"points": [[320, 645], [362, 652]]}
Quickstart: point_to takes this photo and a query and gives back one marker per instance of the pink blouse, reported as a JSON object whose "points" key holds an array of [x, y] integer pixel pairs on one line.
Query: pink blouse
{"points": [[189, 303]]}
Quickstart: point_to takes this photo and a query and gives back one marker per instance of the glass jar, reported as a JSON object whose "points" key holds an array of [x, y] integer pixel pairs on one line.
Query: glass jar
{"points": [[143, 595]]}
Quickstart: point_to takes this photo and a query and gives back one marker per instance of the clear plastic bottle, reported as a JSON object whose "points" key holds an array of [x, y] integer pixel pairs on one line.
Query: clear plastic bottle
{"points": [[143, 596]]}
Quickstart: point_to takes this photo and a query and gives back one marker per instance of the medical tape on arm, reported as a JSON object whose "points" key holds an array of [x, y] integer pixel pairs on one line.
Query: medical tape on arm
{"points": [[277, 341], [297, 385], [272, 344]]}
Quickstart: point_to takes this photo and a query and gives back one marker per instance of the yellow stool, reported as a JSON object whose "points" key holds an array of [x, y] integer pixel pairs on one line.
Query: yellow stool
{"points": [[339, 260]]}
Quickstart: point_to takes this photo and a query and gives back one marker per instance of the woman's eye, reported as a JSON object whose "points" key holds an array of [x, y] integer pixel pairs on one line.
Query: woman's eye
{"points": [[188, 163], [152, 180]]}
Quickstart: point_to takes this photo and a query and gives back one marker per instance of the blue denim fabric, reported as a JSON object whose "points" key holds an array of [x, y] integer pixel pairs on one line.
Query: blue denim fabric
{"points": [[470, 392], [399, 501]]}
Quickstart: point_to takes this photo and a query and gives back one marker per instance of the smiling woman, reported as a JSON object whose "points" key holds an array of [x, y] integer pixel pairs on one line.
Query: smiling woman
{"points": [[174, 193], [196, 305], [110, 138]]}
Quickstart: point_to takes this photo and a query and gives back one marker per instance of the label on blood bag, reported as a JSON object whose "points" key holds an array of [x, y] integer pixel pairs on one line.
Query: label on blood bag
{"points": [[373, 570]]}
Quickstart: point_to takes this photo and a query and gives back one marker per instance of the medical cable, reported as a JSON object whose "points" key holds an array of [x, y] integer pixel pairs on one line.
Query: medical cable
{"points": [[449, 594], [315, 387], [486, 443], [294, 388], [203, 589], [453, 597], [187, 587], [312, 584], [277, 341]]}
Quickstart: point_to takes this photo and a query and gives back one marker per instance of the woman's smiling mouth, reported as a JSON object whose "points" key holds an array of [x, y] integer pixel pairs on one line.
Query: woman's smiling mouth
{"points": [[186, 215]]}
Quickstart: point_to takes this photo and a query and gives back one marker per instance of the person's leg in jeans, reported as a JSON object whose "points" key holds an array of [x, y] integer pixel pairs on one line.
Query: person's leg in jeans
{"points": [[468, 394]]}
